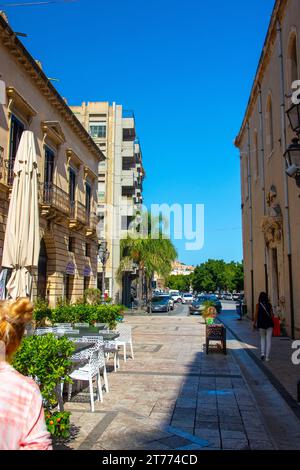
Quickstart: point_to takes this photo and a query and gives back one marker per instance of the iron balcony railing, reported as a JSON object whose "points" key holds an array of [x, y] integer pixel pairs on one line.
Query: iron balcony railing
{"points": [[77, 211], [52, 195]]}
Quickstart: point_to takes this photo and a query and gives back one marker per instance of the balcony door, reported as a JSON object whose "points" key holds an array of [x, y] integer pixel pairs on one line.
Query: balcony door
{"points": [[16, 131], [48, 175], [72, 190], [88, 199]]}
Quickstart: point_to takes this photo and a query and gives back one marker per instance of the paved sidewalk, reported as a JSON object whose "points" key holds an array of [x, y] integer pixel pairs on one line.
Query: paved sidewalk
{"points": [[172, 396], [280, 366]]}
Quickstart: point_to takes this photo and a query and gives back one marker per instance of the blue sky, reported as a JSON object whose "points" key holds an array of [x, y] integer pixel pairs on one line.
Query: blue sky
{"points": [[186, 69]]}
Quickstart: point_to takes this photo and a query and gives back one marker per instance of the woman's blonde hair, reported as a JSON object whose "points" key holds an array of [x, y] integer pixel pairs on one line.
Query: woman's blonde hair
{"points": [[14, 315]]}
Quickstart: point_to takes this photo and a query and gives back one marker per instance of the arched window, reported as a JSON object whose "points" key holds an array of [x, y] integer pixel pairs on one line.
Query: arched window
{"points": [[269, 126], [256, 154], [293, 59]]}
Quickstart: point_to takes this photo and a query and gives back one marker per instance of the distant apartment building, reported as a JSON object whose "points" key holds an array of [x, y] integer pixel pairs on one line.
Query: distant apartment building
{"points": [[68, 161], [270, 199], [120, 184], [181, 269]]}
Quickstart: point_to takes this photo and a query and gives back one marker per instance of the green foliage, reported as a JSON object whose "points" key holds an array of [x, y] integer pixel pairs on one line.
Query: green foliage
{"points": [[218, 275], [58, 423], [42, 312], [151, 254], [210, 310], [47, 360], [86, 313], [181, 282], [92, 296]]}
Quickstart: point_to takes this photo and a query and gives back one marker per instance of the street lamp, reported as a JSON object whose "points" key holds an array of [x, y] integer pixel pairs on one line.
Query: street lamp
{"points": [[293, 115], [103, 254], [292, 157]]}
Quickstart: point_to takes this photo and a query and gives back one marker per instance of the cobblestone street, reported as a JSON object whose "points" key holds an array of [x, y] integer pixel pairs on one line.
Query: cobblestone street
{"points": [[174, 396]]}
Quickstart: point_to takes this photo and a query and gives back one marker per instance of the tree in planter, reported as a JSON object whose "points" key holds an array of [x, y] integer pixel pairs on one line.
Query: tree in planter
{"points": [[210, 310], [47, 360], [42, 313]]}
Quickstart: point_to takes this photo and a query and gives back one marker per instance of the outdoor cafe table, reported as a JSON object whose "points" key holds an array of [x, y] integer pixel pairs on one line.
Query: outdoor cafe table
{"points": [[94, 331]]}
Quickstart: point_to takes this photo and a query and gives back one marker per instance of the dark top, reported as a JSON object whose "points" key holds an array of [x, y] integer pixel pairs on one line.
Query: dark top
{"points": [[265, 319]]}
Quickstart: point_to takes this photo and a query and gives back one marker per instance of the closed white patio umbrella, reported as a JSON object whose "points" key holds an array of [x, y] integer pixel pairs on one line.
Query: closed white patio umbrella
{"points": [[22, 239]]}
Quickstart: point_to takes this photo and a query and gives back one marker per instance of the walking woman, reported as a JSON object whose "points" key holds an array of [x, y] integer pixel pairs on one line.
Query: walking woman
{"points": [[22, 421], [264, 322]]}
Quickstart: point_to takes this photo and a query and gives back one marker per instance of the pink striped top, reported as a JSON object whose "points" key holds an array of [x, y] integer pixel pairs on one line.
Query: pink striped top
{"points": [[22, 421]]}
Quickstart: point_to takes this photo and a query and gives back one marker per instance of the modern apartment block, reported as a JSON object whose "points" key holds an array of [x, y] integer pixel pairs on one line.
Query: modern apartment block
{"points": [[68, 160], [120, 183], [270, 199]]}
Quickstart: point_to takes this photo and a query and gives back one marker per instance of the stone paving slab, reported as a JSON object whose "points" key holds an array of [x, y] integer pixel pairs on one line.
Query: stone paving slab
{"points": [[171, 397]]}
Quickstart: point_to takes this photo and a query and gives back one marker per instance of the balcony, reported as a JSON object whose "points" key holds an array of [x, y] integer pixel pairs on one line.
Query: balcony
{"points": [[56, 205], [77, 215], [128, 149], [54, 201], [6, 170], [127, 179], [91, 222]]}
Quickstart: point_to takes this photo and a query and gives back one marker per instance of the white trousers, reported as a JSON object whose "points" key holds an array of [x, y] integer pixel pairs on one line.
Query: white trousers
{"points": [[265, 341]]}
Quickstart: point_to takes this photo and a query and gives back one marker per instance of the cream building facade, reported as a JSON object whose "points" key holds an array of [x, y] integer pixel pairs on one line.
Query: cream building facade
{"points": [[120, 183], [181, 269], [68, 160], [270, 199]]}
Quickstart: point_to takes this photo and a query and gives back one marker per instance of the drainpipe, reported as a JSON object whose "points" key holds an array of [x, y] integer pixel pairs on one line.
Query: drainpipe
{"points": [[262, 172], [286, 189], [251, 219]]}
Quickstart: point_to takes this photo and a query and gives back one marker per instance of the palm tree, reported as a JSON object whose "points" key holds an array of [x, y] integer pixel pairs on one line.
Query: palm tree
{"points": [[151, 255]]}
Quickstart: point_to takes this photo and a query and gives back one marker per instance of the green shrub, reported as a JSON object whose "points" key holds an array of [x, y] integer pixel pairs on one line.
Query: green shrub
{"points": [[58, 423], [86, 313], [92, 296], [42, 312], [210, 309], [47, 360]]}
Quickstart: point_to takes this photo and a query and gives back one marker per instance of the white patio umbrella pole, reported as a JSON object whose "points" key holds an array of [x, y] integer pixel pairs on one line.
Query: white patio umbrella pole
{"points": [[22, 239]]}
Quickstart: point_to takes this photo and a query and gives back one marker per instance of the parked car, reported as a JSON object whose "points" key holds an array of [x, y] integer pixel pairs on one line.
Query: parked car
{"points": [[159, 304], [216, 301], [176, 296], [228, 296], [187, 298], [236, 296], [170, 299], [198, 305]]}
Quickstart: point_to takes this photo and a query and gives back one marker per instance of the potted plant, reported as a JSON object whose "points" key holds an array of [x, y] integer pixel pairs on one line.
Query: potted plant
{"points": [[209, 314]]}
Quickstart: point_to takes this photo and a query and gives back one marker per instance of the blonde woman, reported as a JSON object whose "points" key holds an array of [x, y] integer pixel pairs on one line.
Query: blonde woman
{"points": [[22, 421]]}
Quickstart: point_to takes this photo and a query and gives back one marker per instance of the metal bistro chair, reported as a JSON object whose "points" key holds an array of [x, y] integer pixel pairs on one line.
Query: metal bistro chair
{"points": [[125, 337], [88, 375], [66, 331], [81, 325], [111, 347], [99, 346], [43, 331]]}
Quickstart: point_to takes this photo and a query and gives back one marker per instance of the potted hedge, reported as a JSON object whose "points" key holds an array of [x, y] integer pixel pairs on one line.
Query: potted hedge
{"points": [[210, 312], [47, 360]]}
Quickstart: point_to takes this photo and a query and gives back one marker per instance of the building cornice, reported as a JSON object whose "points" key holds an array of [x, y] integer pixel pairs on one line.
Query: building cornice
{"points": [[26, 61], [277, 14]]}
